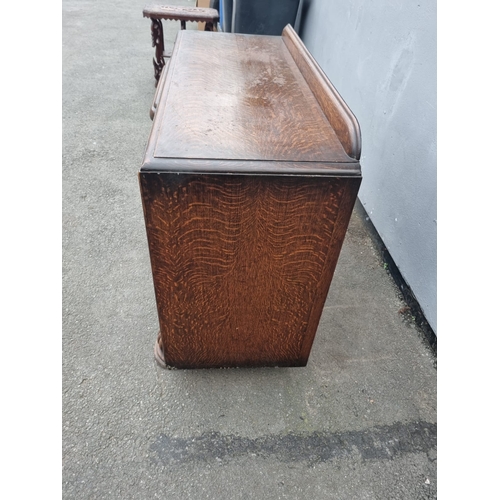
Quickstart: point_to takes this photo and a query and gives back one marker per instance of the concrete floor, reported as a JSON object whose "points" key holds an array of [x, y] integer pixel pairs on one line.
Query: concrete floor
{"points": [[359, 422]]}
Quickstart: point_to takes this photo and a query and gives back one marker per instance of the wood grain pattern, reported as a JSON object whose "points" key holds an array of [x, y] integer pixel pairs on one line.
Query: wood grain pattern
{"points": [[240, 97], [336, 110], [242, 264], [248, 182]]}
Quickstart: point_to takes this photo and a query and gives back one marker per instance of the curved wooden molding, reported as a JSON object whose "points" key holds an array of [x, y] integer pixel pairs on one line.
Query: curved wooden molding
{"points": [[181, 13], [337, 112]]}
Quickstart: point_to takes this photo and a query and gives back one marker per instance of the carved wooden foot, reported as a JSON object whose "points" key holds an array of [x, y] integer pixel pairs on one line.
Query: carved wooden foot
{"points": [[159, 356]]}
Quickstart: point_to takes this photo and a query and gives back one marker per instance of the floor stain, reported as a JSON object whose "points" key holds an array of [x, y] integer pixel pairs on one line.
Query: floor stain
{"points": [[382, 442]]}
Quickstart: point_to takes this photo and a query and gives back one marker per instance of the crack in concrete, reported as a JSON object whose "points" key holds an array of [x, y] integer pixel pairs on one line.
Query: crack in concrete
{"points": [[381, 442]]}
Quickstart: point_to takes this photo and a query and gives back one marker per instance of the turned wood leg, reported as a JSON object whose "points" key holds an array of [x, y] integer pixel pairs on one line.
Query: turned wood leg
{"points": [[157, 38]]}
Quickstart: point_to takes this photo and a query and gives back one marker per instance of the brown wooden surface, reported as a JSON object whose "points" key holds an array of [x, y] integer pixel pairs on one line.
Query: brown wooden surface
{"points": [[242, 264], [159, 90], [250, 166], [240, 97], [337, 112], [180, 13], [247, 188]]}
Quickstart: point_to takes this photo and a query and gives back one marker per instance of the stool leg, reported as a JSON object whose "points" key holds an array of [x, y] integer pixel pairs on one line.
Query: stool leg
{"points": [[157, 38], [209, 27], [183, 25]]}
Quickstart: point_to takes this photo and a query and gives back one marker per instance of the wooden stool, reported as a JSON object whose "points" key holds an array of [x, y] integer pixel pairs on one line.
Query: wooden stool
{"points": [[175, 13]]}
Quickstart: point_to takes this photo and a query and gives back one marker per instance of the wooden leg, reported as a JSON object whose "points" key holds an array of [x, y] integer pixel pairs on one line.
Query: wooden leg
{"points": [[209, 27], [183, 25], [157, 38], [158, 352]]}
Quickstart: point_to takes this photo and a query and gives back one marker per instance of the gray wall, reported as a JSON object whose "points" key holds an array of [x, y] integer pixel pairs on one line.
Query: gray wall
{"points": [[381, 57]]}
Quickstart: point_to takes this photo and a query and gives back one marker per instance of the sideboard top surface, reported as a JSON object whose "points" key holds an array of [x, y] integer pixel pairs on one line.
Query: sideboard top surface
{"points": [[240, 99]]}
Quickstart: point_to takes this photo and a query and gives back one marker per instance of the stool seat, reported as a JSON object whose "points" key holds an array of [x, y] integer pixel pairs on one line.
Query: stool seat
{"points": [[179, 13], [175, 13]]}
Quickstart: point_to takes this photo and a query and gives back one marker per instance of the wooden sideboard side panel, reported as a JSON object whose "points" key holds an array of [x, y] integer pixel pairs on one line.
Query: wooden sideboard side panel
{"points": [[350, 190], [336, 110], [242, 264]]}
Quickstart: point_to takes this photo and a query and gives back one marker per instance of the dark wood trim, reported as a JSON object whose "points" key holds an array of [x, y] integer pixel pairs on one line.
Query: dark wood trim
{"points": [[159, 89], [152, 164]]}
